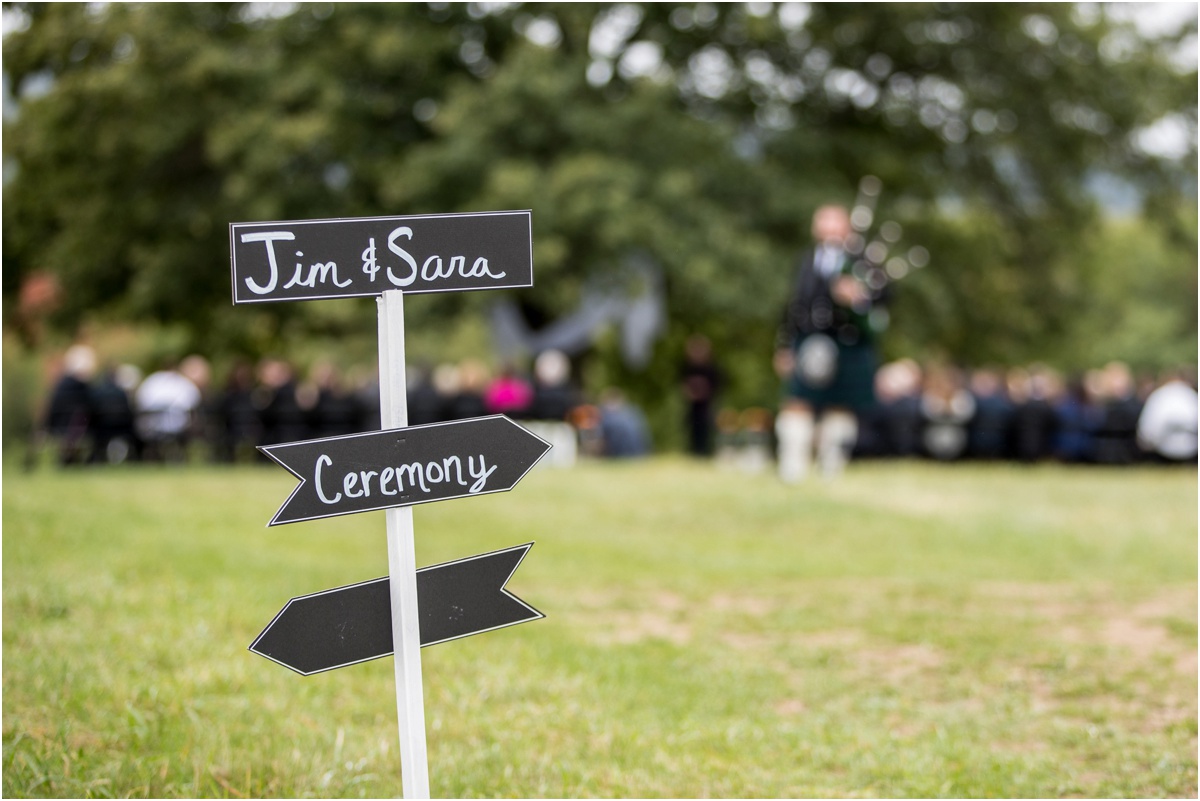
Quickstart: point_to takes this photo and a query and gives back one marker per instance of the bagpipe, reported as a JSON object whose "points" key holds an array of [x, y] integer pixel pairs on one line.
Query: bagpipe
{"points": [[877, 258]]}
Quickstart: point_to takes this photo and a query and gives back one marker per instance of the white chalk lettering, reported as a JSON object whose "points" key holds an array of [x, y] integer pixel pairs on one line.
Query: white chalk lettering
{"points": [[316, 272], [270, 238], [434, 268], [392, 480], [417, 470], [387, 475], [482, 475], [480, 269], [404, 231], [317, 480], [436, 262], [457, 466], [369, 265]]}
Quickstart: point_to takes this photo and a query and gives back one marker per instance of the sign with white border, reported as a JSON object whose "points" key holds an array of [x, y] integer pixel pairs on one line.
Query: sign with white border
{"points": [[347, 625], [366, 256]]}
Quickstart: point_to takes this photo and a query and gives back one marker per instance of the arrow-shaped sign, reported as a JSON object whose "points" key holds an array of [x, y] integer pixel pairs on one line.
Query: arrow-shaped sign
{"points": [[348, 625], [404, 466]]}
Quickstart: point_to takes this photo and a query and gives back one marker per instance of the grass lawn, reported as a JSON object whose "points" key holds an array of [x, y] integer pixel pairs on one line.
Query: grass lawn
{"points": [[911, 630]]}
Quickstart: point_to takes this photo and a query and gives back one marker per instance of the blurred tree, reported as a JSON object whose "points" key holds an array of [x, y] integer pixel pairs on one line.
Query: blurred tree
{"points": [[987, 124], [702, 134], [1156, 332]]}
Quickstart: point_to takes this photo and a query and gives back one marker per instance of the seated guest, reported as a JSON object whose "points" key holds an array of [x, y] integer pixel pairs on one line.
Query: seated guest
{"points": [[1167, 425], [1116, 435], [901, 415], [1034, 421], [946, 410], [1078, 417], [989, 430], [622, 426]]}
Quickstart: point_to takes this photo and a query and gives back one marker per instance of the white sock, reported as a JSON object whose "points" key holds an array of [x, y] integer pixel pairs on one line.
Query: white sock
{"points": [[835, 440], [794, 433]]}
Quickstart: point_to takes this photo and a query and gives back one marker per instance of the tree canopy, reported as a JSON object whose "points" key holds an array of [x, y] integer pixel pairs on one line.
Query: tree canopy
{"points": [[701, 134]]}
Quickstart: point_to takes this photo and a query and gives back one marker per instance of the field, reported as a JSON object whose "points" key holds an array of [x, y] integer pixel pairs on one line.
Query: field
{"points": [[912, 630]]}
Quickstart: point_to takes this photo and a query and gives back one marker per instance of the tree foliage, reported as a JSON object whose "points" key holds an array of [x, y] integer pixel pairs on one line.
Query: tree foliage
{"points": [[702, 134]]}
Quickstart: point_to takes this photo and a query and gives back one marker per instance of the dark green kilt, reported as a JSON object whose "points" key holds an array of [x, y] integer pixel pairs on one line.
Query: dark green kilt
{"points": [[852, 387]]}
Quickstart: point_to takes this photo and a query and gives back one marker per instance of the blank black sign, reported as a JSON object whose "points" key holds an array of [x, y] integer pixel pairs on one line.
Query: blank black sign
{"points": [[348, 625]]}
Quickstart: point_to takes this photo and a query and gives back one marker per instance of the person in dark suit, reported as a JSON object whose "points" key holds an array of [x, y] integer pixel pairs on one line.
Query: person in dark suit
{"points": [[113, 435], [825, 351], [238, 425], [69, 412], [990, 431], [1034, 423], [336, 411], [283, 418], [700, 380], [1116, 434]]}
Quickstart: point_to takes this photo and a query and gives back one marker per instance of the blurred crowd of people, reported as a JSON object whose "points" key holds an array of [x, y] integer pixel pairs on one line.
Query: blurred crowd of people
{"points": [[117, 414], [1027, 414], [1102, 416]]}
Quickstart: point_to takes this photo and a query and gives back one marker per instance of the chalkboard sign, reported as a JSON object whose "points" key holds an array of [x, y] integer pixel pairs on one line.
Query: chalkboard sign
{"points": [[356, 257], [348, 625], [404, 466]]}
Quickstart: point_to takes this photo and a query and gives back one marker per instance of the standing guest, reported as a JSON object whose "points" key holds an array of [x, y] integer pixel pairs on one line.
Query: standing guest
{"points": [[69, 411], [551, 404], [701, 381], [553, 396], [825, 353]]}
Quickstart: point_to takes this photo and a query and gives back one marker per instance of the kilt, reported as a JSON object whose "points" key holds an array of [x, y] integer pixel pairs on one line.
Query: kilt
{"points": [[853, 384]]}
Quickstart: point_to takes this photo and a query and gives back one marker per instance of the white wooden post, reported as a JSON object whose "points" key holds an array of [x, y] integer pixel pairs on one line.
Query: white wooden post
{"points": [[402, 561]]}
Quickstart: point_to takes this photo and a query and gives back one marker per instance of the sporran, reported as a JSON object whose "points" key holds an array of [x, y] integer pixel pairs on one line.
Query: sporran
{"points": [[817, 361]]}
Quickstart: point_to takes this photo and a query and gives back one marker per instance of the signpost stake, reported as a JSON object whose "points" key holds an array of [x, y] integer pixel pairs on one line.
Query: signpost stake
{"points": [[402, 561]]}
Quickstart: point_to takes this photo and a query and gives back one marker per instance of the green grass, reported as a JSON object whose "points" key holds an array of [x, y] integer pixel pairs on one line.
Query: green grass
{"points": [[911, 630]]}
